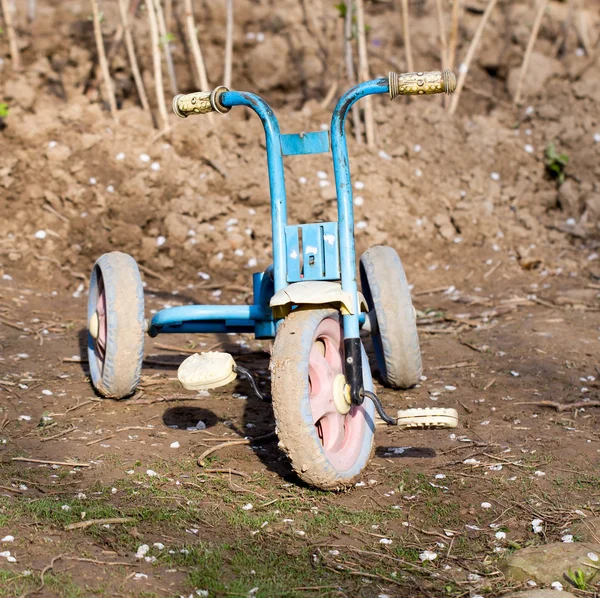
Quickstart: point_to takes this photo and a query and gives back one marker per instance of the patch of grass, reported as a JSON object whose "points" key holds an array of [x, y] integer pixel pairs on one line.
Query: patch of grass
{"points": [[556, 163], [14, 583], [586, 482]]}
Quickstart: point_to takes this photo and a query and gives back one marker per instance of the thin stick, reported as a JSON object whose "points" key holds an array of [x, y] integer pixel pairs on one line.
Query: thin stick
{"points": [[135, 69], [169, 14], [349, 58], [363, 69], [464, 68], [15, 490], [229, 471], [44, 571], [532, 37], [562, 406], [103, 563], [228, 45], [179, 349], [201, 78], [31, 10], [12, 36], [453, 33], [164, 39], [44, 462], [99, 440], [90, 522], [329, 95], [158, 82], [110, 92], [406, 29], [63, 433], [442, 28], [453, 366], [233, 443]]}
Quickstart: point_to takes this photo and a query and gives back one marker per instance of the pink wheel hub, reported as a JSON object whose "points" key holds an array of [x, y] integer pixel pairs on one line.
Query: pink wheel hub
{"points": [[341, 435], [100, 340]]}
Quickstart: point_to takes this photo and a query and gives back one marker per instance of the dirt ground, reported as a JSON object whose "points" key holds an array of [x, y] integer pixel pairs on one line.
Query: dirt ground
{"points": [[504, 259]]}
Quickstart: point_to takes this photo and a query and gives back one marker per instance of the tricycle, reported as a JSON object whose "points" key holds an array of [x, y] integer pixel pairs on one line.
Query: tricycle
{"points": [[308, 301]]}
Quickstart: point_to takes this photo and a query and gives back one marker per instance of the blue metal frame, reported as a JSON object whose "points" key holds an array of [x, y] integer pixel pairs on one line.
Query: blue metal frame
{"points": [[258, 317]]}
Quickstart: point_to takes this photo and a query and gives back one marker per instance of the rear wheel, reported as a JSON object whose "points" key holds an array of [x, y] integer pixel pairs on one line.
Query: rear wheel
{"points": [[327, 448], [396, 340], [115, 325]]}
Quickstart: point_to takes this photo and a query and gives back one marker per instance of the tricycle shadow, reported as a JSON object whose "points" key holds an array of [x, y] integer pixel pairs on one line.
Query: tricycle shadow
{"points": [[257, 418]]}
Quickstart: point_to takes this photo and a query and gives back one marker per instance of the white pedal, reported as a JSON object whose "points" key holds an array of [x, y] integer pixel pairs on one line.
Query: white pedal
{"points": [[206, 370], [428, 418]]}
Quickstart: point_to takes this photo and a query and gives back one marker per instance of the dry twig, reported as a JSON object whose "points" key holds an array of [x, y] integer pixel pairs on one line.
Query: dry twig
{"points": [[406, 30], [228, 45], [44, 462], [562, 406], [443, 42], [532, 37], [158, 82], [212, 449], [135, 69], [349, 60], [90, 522], [453, 33], [42, 584], [63, 433], [363, 70], [464, 67], [103, 563], [200, 71], [110, 92], [164, 41], [13, 42]]}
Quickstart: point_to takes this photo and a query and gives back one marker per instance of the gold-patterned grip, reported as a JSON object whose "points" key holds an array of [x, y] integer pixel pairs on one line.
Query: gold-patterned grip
{"points": [[421, 83], [199, 102]]}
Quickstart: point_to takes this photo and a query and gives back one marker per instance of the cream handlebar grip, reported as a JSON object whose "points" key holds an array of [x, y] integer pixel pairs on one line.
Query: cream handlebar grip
{"points": [[421, 83], [199, 102]]}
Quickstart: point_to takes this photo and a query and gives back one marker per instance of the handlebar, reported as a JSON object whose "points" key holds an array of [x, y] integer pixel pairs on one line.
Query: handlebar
{"points": [[200, 102], [420, 83]]}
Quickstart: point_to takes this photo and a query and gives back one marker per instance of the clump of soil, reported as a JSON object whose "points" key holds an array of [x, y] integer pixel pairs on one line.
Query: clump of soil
{"points": [[196, 199]]}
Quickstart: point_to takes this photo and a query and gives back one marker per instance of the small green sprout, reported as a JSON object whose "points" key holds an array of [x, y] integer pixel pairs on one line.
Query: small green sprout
{"points": [[3, 110], [556, 163], [167, 39], [577, 578]]}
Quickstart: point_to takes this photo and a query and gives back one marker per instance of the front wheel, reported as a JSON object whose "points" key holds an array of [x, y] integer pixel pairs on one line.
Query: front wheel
{"points": [[327, 449], [115, 325]]}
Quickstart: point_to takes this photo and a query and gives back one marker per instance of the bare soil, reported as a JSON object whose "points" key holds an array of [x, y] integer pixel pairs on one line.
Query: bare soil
{"points": [[503, 259]]}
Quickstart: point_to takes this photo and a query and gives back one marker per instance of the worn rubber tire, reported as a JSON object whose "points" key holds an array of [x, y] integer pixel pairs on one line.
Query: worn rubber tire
{"points": [[293, 415], [396, 342], [118, 375]]}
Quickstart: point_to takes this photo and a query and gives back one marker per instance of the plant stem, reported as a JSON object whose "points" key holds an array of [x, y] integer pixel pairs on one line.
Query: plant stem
{"points": [[12, 36], [453, 33], [406, 29], [228, 45], [349, 58], [531, 42], [442, 28], [162, 29], [169, 14], [464, 68], [110, 92], [363, 67], [135, 69], [201, 77], [158, 82]]}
